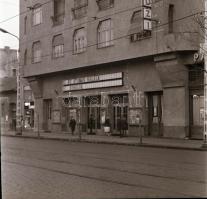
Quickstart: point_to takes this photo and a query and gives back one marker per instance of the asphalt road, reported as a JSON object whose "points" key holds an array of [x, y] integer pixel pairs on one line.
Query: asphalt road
{"points": [[45, 169]]}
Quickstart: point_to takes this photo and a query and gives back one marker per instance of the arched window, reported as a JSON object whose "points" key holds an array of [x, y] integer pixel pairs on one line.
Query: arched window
{"points": [[36, 52], [58, 46], [79, 41], [105, 33], [37, 15]]}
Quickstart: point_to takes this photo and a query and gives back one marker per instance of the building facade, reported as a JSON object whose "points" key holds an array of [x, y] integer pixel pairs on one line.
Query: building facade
{"points": [[114, 59], [8, 87], [8, 92]]}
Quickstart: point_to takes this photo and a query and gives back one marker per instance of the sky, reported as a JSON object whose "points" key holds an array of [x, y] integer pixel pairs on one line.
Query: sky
{"points": [[8, 9]]}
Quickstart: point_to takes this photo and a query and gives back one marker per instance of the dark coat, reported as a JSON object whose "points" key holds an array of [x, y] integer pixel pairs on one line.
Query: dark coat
{"points": [[72, 124]]}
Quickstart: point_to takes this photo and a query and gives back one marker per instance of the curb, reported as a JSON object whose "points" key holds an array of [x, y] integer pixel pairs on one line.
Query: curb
{"points": [[109, 142]]}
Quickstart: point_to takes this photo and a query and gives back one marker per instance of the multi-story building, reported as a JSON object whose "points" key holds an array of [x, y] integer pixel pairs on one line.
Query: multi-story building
{"points": [[114, 58], [8, 92], [8, 87]]}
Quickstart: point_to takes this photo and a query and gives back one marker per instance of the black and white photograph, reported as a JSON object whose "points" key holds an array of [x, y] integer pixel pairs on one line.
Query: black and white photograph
{"points": [[103, 99]]}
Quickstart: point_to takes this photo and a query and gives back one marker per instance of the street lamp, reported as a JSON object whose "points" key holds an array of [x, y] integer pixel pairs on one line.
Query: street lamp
{"points": [[205, 78], [19, 91]]}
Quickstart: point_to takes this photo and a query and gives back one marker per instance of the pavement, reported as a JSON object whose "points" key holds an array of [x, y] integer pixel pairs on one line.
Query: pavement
{"points": [[171, 143]]}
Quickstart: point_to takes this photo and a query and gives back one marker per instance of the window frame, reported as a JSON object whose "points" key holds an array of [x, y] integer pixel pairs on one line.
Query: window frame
{"points": [[39, 58], [35, 12], [100, 34], [80, 43], [59, 48]]}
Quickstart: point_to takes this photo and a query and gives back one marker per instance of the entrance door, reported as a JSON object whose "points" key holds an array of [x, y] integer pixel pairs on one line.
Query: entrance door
{"points": [[119, 112], [155, 113], [96, 114], [48, 114]]}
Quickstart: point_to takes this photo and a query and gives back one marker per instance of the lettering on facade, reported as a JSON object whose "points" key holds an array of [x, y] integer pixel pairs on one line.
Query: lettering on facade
{"points": [[91, 82]]}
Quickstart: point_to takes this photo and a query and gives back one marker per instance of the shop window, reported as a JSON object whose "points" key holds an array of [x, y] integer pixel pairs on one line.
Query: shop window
{"points": [[80, 8], [170, 18], [105, 4], [36, 52], [80, 41], [58, 46], [105, 33], [37, 15], [59, 12]]}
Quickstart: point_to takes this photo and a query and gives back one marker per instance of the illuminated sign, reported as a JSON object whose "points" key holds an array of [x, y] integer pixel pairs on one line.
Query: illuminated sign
{"points": [[91, 82]]}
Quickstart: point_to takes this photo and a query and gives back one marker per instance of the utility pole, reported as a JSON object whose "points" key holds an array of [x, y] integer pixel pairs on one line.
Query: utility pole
{"points": [[205, 76]]}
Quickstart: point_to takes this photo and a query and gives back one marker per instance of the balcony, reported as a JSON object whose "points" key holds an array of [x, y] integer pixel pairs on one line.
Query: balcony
{"points": [[58, 19], [105, 4], [80, 11]]}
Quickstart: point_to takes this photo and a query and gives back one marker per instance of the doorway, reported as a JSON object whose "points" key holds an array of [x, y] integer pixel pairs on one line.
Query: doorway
{"points": [[155, 109], [48, 114]]}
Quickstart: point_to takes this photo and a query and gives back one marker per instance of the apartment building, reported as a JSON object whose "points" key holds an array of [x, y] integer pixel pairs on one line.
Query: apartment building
{"points": [[8, 86], [114, 59]]}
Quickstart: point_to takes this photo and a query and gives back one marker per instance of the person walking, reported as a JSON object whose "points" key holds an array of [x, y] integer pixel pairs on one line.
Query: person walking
{"points": [[119, 126], [107, 126], [124, 126], [91, 124], [72, 125]]}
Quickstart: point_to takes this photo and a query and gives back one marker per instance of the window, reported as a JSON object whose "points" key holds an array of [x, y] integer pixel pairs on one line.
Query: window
{"points": [[36, 52], [136, 31], [105, 33], [80, 8], [37, 15], [58, 46], [170, 18], [59, 12], [80, 41], [137, 17], [25, 57], [105, 4], [25, 25]]}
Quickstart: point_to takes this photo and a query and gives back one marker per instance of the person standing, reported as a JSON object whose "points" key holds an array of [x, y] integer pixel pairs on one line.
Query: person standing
{"points": [[72, 125], [91, 124], [124, 126], [107, 126]]}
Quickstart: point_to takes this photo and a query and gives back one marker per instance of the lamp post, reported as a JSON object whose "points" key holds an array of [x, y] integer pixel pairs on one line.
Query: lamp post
{"points": [[19, 114], [205, 78]]}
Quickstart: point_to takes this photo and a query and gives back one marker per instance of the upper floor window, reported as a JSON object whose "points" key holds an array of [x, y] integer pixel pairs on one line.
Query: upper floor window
{"points": [[170, 18], [58, 46], [36, 52], [136, 31], [59, 12], [105, 33], [80, 8], [105, 4], [79, 41], [37, 15]]}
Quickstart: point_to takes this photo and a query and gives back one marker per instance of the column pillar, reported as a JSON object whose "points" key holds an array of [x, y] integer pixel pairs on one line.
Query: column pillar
{"points": [[174, 78]]}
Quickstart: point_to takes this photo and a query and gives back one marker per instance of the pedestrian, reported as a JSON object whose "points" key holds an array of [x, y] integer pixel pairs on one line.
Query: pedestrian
{"points": [[124, 126], [107, 126], [72, 125], [91, 123], [119, 126]]}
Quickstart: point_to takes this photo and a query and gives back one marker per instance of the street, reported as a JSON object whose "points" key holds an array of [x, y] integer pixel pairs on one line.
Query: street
{"points": [[46, 169]]}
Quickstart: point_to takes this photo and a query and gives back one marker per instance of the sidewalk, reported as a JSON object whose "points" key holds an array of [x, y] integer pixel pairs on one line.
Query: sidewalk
{"points": [[130, 141]]}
